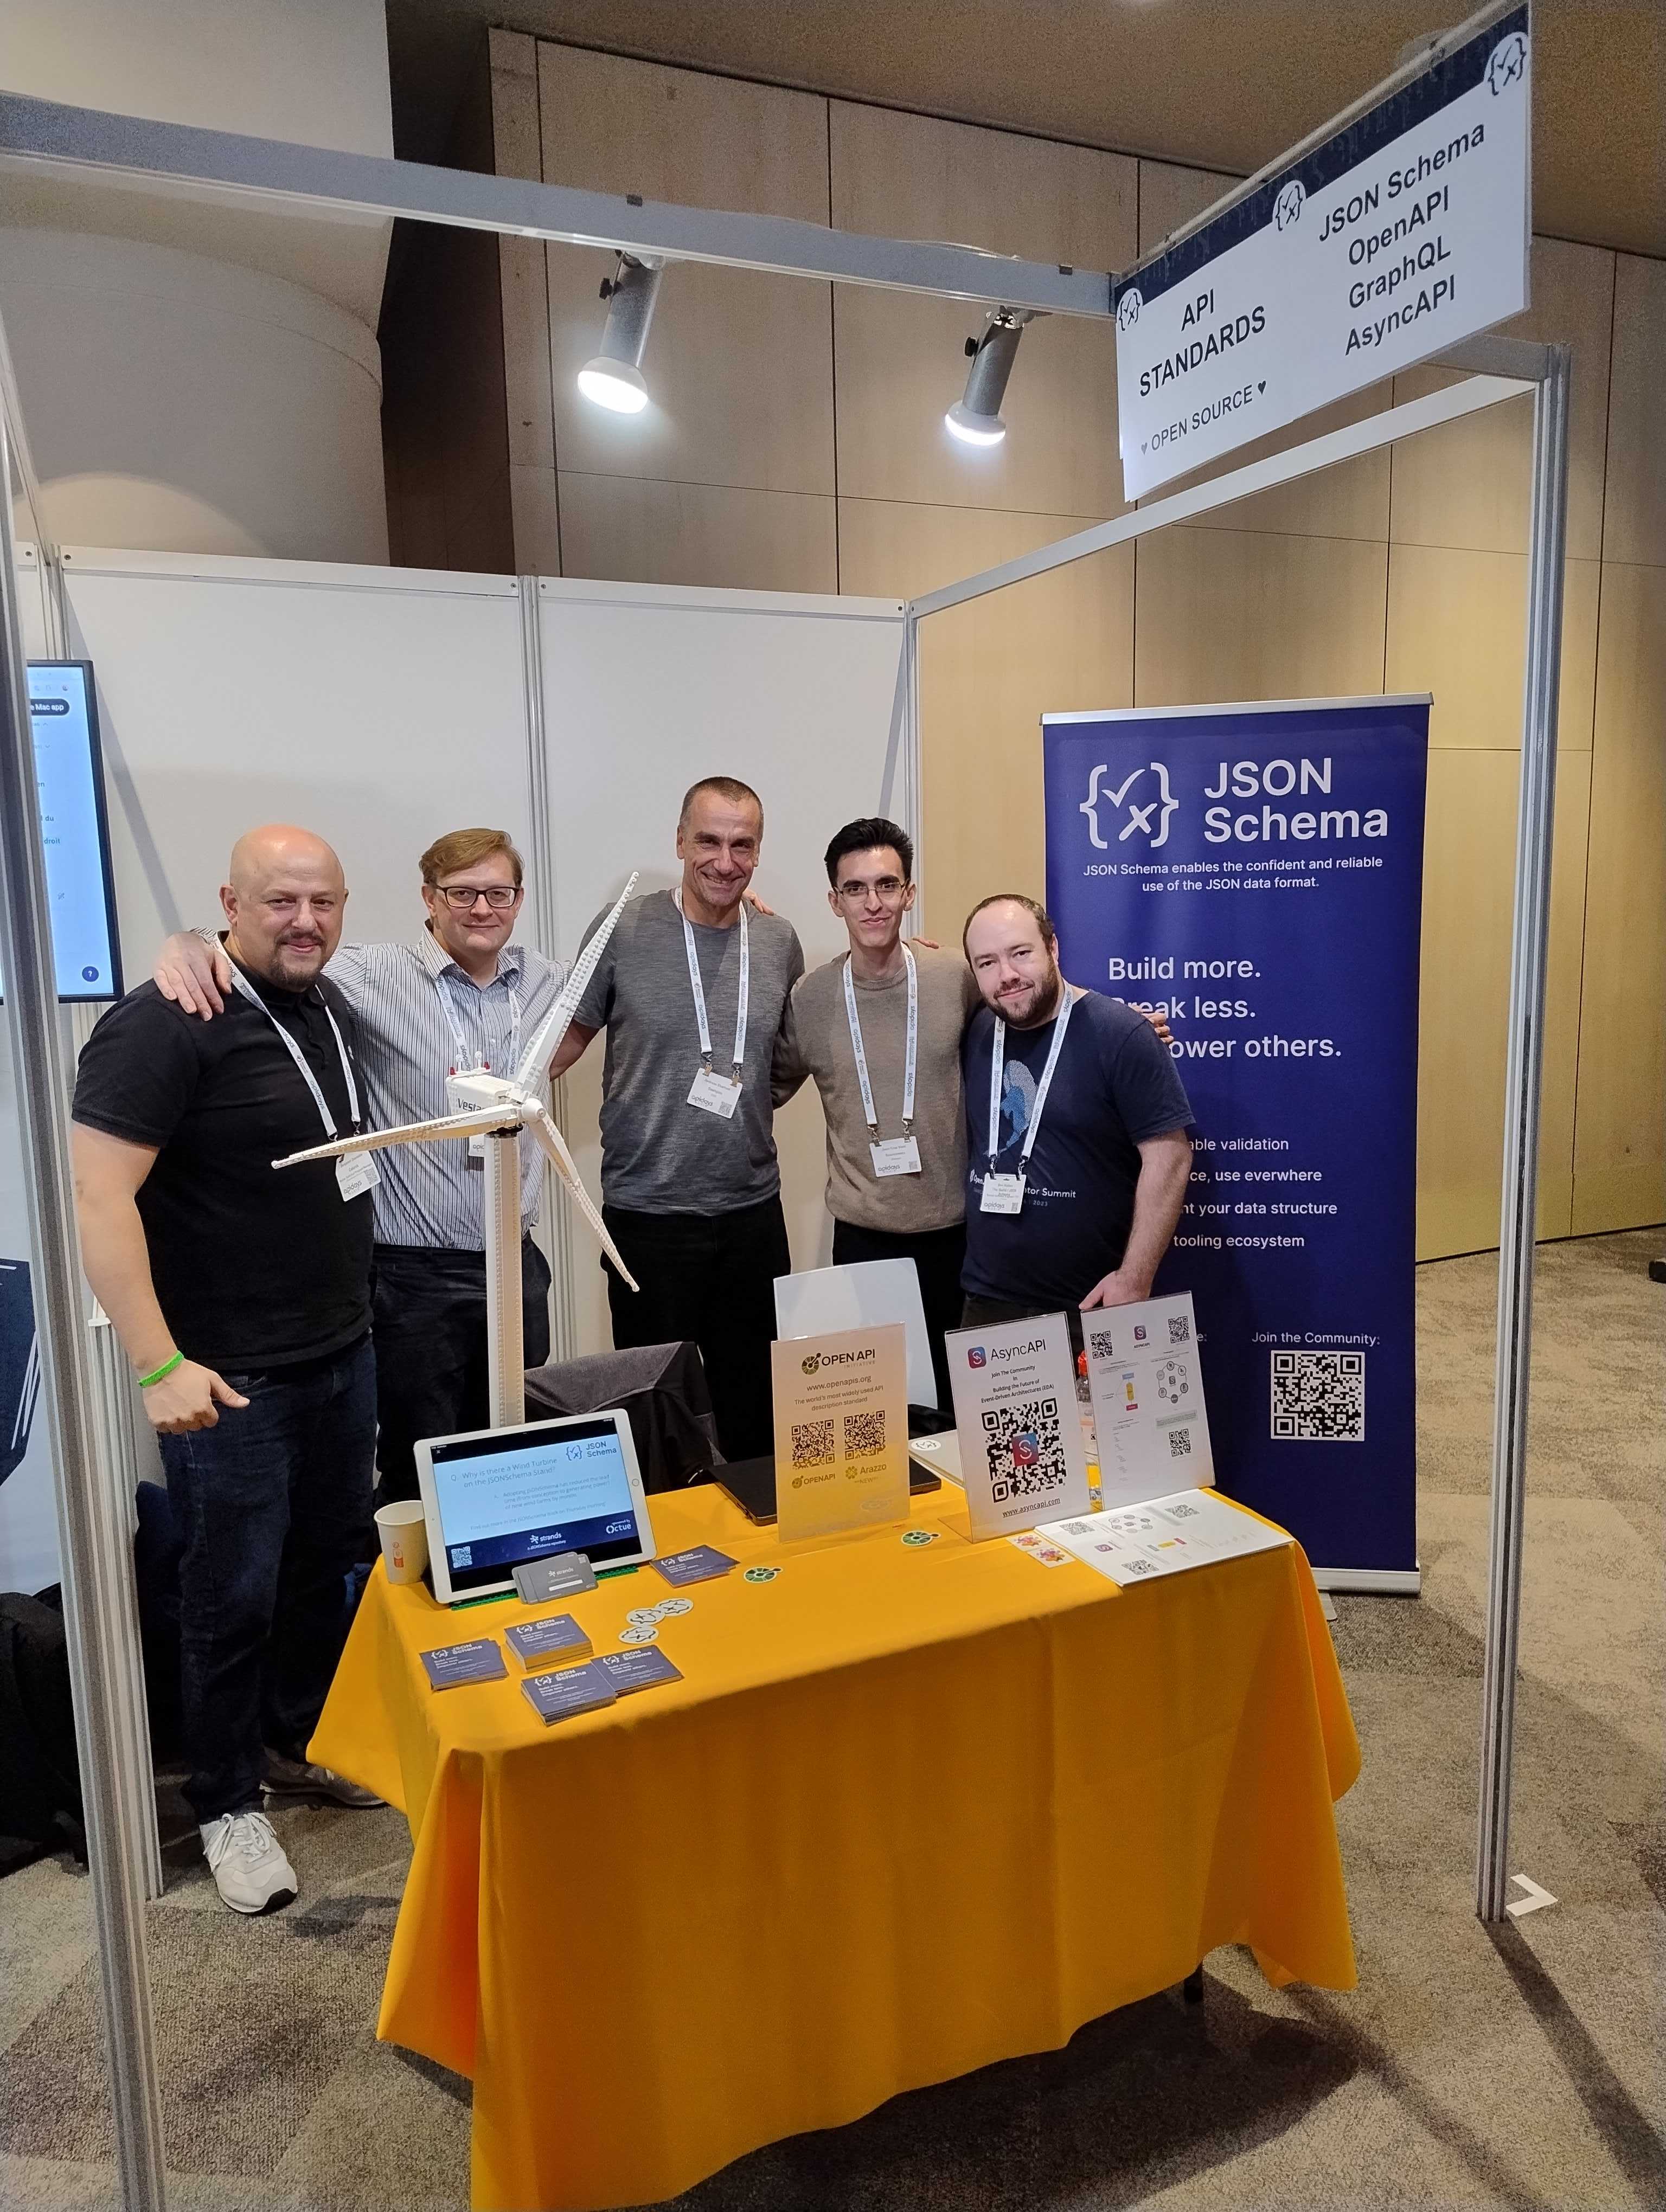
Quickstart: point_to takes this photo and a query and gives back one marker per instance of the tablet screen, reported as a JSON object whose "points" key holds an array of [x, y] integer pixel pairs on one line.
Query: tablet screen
{"points": [[527, 1493]]}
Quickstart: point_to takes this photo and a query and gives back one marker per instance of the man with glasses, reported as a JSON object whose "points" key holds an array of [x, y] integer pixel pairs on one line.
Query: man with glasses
{"points": [[461, 994], [879, 1029]]}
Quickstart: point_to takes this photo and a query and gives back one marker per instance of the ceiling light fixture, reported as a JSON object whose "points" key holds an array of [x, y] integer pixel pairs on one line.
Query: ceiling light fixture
{"points": [[975, 418], [613, 378]]}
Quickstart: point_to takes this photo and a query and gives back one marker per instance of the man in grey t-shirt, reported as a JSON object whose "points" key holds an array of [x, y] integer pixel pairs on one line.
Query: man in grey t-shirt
{"points": [[690, 1184]]}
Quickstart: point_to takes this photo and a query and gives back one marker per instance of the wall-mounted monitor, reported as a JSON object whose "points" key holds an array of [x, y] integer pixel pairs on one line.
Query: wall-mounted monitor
{"points": [[69, 770]]}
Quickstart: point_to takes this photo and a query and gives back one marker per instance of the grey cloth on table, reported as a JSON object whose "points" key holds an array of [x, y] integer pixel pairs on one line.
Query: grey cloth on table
{"points": [[661, 1386]]}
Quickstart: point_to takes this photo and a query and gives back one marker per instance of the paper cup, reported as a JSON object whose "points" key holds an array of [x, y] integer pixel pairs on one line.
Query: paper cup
{"points": [[404, 1532]]}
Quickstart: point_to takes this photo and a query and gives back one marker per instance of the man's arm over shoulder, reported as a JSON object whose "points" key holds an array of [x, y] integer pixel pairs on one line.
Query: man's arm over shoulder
{"points": [[789, 1067]]}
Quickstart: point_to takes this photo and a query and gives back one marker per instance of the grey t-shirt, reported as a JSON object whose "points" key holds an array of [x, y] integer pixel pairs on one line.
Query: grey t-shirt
{"points": [[815, 1041], [660, 1155]]}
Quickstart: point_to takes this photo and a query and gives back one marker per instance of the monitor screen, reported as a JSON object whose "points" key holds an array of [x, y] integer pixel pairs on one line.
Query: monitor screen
{"points": [[64, 719], [524, 1495]]}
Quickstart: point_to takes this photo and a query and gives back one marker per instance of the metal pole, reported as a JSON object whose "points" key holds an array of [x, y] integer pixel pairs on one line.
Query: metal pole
{"points": [[506, 1355], [1523, 1067], [95, 1557]]}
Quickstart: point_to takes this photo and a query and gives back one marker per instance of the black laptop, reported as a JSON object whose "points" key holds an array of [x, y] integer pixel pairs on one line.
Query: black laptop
{"points": [[752, 1483]]}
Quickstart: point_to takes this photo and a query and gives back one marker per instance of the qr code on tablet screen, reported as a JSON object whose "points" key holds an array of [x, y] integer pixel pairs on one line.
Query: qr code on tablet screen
{"points": [[1319, 1397], [1027, 1456]]}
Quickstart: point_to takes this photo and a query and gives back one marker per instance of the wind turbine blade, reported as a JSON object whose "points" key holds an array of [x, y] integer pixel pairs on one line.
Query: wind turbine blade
{"points": [[555, 1025], [564, 1166], [413, 1132]]}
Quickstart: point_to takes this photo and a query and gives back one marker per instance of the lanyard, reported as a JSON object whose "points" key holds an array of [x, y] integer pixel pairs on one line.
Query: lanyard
{"points": [[446, 1008], [241, 983], [997, 1059], [699, 989], [909, 1058]]}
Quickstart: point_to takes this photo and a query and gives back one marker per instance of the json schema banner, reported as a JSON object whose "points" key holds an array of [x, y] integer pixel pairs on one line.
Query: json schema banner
{"points": [[1257, 871]]}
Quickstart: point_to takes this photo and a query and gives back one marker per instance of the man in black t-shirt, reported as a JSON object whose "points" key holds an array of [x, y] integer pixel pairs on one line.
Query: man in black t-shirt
{"points": [[242, 1298], [1073, 1193]]}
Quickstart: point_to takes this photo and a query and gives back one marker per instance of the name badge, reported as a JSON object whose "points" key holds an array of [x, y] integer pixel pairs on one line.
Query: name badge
{"points": [[477, 1146], [357, 1173], [1003, 1194], [896, 1156], [714, 1094]]}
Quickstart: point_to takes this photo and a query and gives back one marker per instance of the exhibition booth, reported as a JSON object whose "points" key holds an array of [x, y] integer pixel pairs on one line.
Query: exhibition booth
{"points": [[906, 1711]]}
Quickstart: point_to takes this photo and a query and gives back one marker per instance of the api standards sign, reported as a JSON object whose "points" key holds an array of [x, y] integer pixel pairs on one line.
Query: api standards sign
{"points": [[1407, 232]]}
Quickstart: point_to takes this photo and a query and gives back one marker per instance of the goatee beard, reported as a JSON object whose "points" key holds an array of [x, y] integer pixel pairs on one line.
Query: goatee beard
{"points": [[1044, 1008]]}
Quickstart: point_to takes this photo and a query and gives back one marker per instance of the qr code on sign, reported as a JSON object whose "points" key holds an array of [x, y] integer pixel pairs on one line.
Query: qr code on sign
{"points": [[1180, 1443], [813, 1443], [864, 1434], [1104, 1344], [1319, 1397], [1180, 1329], [1026, 1457]]}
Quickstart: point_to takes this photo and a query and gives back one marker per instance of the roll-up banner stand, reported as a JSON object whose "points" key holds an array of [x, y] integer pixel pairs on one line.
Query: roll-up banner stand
{"points": [[1256, 871]]}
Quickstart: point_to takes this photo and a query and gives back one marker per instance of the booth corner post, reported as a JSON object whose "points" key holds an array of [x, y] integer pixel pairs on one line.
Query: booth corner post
{"points": [[1524, 1066], [92, 1535]]}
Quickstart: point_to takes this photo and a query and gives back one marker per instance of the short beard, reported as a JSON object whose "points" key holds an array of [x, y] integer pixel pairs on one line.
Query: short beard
{"points": [[1043, 1009]]}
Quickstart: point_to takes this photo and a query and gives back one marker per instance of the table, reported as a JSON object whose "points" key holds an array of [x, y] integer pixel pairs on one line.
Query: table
{"points": [[915, 1808]]}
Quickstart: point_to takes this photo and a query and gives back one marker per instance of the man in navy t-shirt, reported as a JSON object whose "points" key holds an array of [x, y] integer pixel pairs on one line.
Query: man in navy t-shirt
{"points": [[1073, 1195]]}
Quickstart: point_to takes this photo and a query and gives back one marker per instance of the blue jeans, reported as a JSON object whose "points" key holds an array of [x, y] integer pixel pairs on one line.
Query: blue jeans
{"points": [[273, 1507]]}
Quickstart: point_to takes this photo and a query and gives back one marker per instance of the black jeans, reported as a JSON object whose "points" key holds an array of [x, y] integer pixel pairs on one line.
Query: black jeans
{"points": [[984, 1313], [431, 1370], [273, 1508], [709, 1280], [938, 1255]]}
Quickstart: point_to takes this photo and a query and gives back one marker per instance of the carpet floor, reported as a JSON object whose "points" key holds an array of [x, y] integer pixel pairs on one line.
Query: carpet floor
{"points": [[1519, 2066]]}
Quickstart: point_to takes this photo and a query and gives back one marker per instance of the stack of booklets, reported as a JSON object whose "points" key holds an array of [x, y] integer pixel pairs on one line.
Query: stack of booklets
{"points": [[1137, 1543], [603, 1681], [557, 1642]]}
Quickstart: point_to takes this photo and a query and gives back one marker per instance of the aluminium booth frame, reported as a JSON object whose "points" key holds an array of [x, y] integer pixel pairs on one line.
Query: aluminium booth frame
{"points": [[37, 137]]}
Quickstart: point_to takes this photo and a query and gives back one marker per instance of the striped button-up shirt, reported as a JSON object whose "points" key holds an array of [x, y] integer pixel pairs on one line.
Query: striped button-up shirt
{"points": [[419, 1017]]}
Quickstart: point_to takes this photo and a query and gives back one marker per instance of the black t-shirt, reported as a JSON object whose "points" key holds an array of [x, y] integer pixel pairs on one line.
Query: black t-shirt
{"points": [[1115, 1085], [252, 1268]]}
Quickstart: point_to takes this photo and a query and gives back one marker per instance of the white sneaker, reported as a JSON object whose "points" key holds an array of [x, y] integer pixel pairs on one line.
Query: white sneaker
{"points": [[247, 1863]]}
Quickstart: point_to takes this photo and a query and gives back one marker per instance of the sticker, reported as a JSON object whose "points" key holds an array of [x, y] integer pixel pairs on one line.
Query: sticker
{"points": [[760, 1574], [1049, 1555], [643, 1616], [639, 1636], [920, 1535], [676, 1606]]}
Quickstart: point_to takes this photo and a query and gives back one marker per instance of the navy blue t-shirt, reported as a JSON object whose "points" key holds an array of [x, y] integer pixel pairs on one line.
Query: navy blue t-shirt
{"points": [[1114, 1086]]}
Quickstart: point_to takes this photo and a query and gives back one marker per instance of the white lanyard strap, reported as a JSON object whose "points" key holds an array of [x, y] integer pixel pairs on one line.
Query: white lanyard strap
{"points": [[511, 1059], [997, 1062], [241, 983], [910, 1056], [699, 989]]}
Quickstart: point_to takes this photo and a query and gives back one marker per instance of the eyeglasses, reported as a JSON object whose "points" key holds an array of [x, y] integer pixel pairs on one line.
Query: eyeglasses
{"points": [[460, 898], [886, 888]]}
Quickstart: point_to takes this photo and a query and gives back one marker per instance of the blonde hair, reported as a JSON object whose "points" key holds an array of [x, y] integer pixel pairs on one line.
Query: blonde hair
{"points": [[461, 848]]}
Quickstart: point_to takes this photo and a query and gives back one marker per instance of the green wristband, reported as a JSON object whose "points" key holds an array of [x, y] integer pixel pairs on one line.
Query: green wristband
{"points": [[159, 1374]]}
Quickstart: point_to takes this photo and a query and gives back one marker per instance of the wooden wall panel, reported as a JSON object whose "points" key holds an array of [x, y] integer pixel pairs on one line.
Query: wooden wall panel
{"points": [[900, 360], [1171, 195], [739, 366], [1620, 1138], [1227, 615], [635, 531], [1635, 520], [1468, 483], [1469, 849], [988, 672], [1457, 626], [516, 152]]}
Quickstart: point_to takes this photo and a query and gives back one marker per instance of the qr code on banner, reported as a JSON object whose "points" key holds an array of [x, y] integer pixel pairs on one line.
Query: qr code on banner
{"points": [[1026, 1457], [1180, 1329], [1319, 1397], [1103, 1344], [865, 1434], [1180, 1443], [813, 1443]]}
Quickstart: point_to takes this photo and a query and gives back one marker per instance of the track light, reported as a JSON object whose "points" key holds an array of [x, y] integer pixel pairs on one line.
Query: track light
{"points": [[975, 419], [614, 377]]}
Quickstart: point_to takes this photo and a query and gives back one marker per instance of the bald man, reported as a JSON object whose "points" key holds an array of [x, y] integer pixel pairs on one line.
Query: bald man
{"points": [[242, 1299]]}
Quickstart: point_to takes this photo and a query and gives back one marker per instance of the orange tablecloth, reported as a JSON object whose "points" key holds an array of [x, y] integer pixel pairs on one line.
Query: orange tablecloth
{"points": [[912, 1809]]}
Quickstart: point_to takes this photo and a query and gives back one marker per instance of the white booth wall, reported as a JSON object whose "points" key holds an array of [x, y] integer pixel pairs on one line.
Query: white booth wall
{"points": [[383, 707]]}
